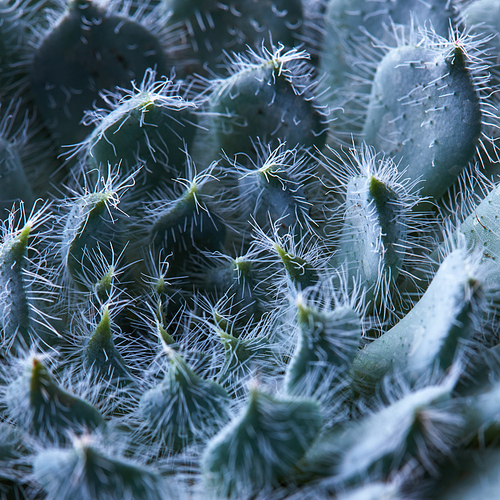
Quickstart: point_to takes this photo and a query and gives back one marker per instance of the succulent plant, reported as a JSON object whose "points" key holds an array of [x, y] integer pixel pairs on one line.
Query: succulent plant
{"points": [[249, 249]]}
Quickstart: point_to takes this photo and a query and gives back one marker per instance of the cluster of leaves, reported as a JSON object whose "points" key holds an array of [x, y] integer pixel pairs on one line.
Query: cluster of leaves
{"points": [[249, 249]]}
